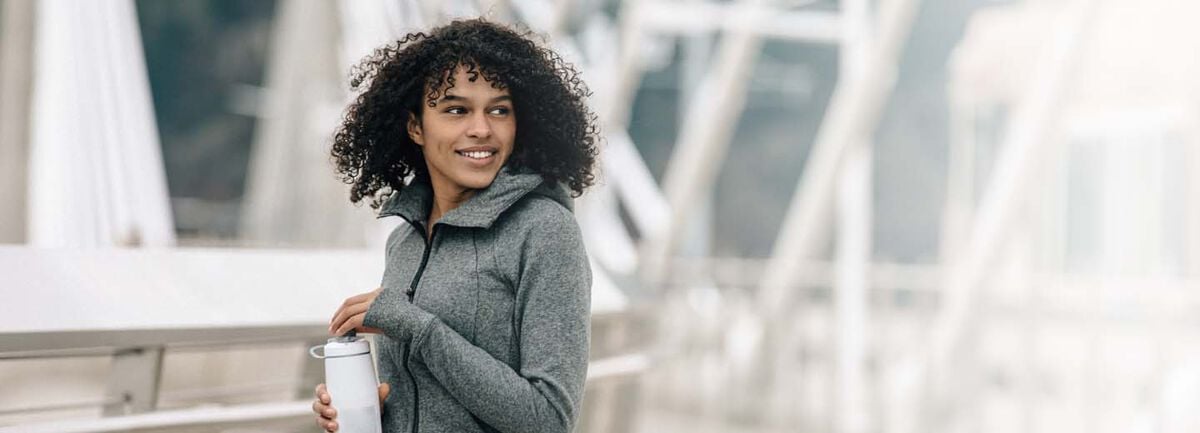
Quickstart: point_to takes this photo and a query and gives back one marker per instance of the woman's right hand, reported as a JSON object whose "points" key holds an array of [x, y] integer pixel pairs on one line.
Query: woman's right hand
{"points": [[327, 415]]}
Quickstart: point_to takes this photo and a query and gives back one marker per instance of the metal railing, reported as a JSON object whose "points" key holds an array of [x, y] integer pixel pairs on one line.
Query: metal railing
{"points": [[54, 314]]}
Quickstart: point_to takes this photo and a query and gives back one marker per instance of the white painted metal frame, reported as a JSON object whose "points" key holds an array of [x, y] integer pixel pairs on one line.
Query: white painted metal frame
{"points": [[704, 137], [758, 18], [1024, 143], [853, 112], [184, 303], [96, 174], [851, 306], [16, 75]]}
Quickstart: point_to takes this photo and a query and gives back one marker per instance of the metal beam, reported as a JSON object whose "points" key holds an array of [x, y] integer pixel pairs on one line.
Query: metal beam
{"points": [[775, 23], [635, 186], [228, 416], [851, 287], [600, 372], [100, 342], [617, 102], [960, 177], [1025, 140], [283, 203], [853, 113], [705, 135], [133, 382], [95, 162], [16, 76], [851, 413]]}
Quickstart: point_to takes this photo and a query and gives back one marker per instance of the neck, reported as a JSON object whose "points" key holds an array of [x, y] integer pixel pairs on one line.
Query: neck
{"points": [[445, 199]]}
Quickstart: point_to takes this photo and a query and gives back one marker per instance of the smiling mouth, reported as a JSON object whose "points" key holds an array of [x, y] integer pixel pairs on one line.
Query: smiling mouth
{"points": [[478, 154]]}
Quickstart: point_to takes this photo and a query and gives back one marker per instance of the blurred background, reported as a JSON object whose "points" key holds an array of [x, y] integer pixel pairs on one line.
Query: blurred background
{"points": [[814, 215]]}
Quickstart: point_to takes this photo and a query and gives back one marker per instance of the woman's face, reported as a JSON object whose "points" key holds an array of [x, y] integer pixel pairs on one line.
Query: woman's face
{"points": [[467, 136]]}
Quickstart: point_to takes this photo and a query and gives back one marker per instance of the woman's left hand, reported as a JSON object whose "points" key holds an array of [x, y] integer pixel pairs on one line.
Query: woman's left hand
{"points": [[351, 314]]}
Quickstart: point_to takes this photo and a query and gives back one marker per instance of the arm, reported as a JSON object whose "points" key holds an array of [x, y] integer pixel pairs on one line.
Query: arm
{"points": [[553, 303]]}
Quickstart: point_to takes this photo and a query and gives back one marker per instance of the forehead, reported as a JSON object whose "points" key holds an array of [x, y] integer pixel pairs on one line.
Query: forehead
{"points": [[469, 83]]}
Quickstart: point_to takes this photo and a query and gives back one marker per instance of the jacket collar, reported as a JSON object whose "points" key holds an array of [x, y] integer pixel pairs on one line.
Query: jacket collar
{"points": [[482, 210]]}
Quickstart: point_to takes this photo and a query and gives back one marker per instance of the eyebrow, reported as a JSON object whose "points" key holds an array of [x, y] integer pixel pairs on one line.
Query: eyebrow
{"points": [[452, 98]]}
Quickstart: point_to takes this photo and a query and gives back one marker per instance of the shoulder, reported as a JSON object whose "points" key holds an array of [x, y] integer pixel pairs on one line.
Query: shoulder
{"points": [[397, 236], [399, 232], [536, 213], [537, 225]]}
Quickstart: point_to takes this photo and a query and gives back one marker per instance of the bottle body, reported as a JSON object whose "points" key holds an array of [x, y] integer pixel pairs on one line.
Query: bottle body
{"points": [[353, 385]]}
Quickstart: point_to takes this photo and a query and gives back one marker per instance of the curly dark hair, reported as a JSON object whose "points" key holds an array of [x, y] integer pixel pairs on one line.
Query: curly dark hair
{"points": [[556, 133]]}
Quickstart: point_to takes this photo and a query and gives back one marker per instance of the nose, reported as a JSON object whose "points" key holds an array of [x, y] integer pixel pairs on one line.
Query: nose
{"points": [[479, 127]]}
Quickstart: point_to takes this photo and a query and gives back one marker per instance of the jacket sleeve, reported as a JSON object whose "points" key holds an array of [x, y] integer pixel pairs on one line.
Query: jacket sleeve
{"points": [[553, 307]]}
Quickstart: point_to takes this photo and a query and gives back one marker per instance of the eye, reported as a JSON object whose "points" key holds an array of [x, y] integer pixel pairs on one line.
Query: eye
{"points": [[500, 111], [456, 110]]}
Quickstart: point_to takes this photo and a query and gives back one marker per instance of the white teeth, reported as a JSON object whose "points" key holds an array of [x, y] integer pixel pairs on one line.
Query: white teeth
{"points": [[478, 154]]}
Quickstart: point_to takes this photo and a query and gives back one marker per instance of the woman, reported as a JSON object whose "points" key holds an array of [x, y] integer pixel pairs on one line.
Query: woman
{"points": [[484, 306]]}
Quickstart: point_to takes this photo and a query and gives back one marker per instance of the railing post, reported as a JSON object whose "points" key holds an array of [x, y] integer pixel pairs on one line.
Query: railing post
{"points": [[134, 380]]}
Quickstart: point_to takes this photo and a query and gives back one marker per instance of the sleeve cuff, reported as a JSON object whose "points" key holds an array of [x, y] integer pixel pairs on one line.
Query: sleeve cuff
{"points": [[395, 316]]}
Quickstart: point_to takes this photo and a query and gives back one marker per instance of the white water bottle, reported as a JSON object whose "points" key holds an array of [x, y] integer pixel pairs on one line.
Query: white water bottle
{"points": [[352, 384]]}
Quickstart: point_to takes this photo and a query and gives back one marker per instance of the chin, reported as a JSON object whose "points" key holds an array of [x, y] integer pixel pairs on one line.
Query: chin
{"points": [[477, 180]]}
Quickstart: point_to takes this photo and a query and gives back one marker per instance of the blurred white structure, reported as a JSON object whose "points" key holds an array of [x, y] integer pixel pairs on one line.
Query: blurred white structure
{"points": [[1075, 277], [144, 344], [95, 165], [293, 195], [1063, 300], [16, 73]]}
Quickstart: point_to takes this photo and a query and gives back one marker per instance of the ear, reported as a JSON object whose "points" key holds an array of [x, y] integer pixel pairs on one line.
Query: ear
{"points": [[414, 129]]}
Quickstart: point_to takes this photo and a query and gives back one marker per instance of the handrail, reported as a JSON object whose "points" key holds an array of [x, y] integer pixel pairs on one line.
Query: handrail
{"points": [[135, 305], [204, 416], [599, 370], [110, 341], [54, 344]]}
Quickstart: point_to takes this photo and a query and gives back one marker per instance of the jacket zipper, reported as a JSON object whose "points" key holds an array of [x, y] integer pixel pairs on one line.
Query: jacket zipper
{"points": [[412, 293], [412, 287]]}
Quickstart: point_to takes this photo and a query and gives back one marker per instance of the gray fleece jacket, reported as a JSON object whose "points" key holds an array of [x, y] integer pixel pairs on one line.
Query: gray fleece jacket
{"points": [[486, 326]]}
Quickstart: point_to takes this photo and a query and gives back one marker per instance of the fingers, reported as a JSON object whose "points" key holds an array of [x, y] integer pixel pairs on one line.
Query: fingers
{"points": [[353, 322], [384, 389], [353, 306], [327, 425], [325, 416], [322, 394], [324, 410], [349, 317], [321, 406]]}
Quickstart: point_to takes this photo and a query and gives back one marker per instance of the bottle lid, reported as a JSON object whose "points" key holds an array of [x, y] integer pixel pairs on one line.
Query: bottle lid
{"points": [[346, 346]]}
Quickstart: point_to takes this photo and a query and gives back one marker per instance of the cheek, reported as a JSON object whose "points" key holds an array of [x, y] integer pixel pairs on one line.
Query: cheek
{"points": [[509, 132]]}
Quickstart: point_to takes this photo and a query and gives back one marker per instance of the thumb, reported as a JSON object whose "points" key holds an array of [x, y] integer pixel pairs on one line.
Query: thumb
{"points": [[384, 389]]}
